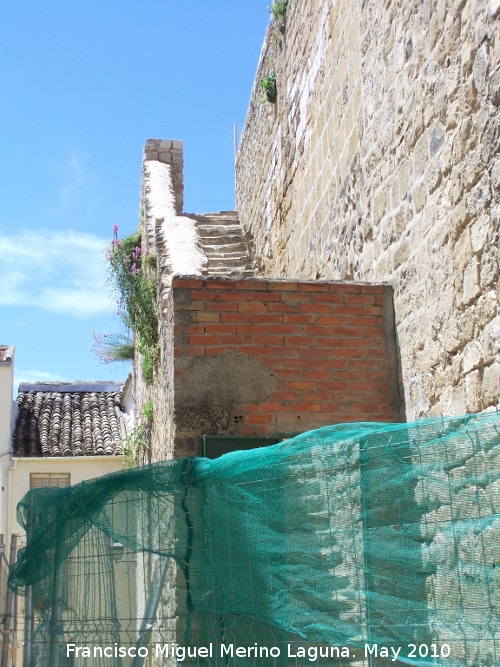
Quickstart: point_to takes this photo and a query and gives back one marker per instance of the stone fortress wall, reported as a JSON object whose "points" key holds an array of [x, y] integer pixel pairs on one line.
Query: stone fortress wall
{"points": [[380, 162]]}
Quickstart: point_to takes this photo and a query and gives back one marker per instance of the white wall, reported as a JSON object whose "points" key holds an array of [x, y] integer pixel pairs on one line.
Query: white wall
{"points": [[79, 467], [7, 414]]}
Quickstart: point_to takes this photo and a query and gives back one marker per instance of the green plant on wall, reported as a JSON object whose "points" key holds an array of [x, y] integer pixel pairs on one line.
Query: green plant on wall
{"points": [[147, 410], [268, 85], [137, 444], [132, 277], [113, 347], [278, 13]]}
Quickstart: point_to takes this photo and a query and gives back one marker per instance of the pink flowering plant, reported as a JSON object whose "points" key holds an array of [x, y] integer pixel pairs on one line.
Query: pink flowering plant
{"points": [[112, 347], [130, 276]]}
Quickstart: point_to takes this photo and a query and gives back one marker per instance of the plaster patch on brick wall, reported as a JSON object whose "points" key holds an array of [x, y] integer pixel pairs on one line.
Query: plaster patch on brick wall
{"points": [[232, 377]]}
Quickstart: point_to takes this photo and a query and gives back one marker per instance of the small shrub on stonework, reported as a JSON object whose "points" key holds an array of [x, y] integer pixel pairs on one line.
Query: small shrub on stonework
{"points": [[268, 85], [136, 446], [149, 358], [278, 12], [131, 276], [147, 410], [112, 347]]}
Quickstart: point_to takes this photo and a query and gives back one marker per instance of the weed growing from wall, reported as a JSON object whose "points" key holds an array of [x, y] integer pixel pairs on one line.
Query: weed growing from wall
{"points": [[136, 447], [278, 13], [112, 347], [268, 85], [147, 410], [132, 277]]}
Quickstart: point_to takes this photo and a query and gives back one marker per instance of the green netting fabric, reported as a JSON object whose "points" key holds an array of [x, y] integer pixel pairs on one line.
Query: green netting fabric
{"points": [[371, 538]]}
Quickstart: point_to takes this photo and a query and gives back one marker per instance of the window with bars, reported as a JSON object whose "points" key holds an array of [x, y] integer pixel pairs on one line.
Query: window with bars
{"points": [[52, 479]]}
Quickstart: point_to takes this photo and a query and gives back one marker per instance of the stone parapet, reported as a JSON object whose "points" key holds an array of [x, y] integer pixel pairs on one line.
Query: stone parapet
{"points": [[210, 244], [169, 151], [173, 239]]}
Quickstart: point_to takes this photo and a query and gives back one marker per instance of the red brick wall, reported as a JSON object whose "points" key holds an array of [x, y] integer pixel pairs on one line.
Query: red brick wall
{"points": [[323, 343]]}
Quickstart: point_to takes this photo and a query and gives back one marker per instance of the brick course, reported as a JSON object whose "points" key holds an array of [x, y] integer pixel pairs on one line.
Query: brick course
{"points": [[301, 335]]}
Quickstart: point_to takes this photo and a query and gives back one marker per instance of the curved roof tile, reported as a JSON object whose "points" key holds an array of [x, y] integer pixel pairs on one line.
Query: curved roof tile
{"points": [[82, 423]]}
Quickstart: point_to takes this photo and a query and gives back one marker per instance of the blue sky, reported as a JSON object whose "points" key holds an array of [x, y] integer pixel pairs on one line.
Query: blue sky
{"points": [[84, 85]]}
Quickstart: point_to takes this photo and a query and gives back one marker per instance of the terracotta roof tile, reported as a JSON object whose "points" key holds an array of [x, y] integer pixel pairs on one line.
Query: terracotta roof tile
{"points": [[65, 423]]}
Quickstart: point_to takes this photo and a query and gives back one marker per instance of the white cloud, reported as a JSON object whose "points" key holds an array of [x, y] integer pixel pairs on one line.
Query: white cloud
{"points": [[61, 272], [35, 376]]}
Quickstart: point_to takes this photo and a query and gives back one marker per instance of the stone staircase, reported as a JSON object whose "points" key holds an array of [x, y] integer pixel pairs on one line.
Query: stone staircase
{"points": [[223, 241]]}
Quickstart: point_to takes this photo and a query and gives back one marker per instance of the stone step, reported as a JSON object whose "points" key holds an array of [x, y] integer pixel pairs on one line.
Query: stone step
{"points": [[219, 230], [220, 214], [220, 221], [226, 222], [230, 273], [223, 261], [222, 240], [220, 263], [226, 248], [227, 267], [227, 255]]}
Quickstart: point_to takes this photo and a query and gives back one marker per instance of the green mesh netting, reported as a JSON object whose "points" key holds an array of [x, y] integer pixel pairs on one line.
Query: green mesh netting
{"points": [[358, 539]]}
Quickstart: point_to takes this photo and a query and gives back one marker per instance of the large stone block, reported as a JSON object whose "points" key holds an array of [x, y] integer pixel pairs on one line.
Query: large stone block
{"points": [[471, 288], [473, 391], [492, 340], [491, 384]]}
